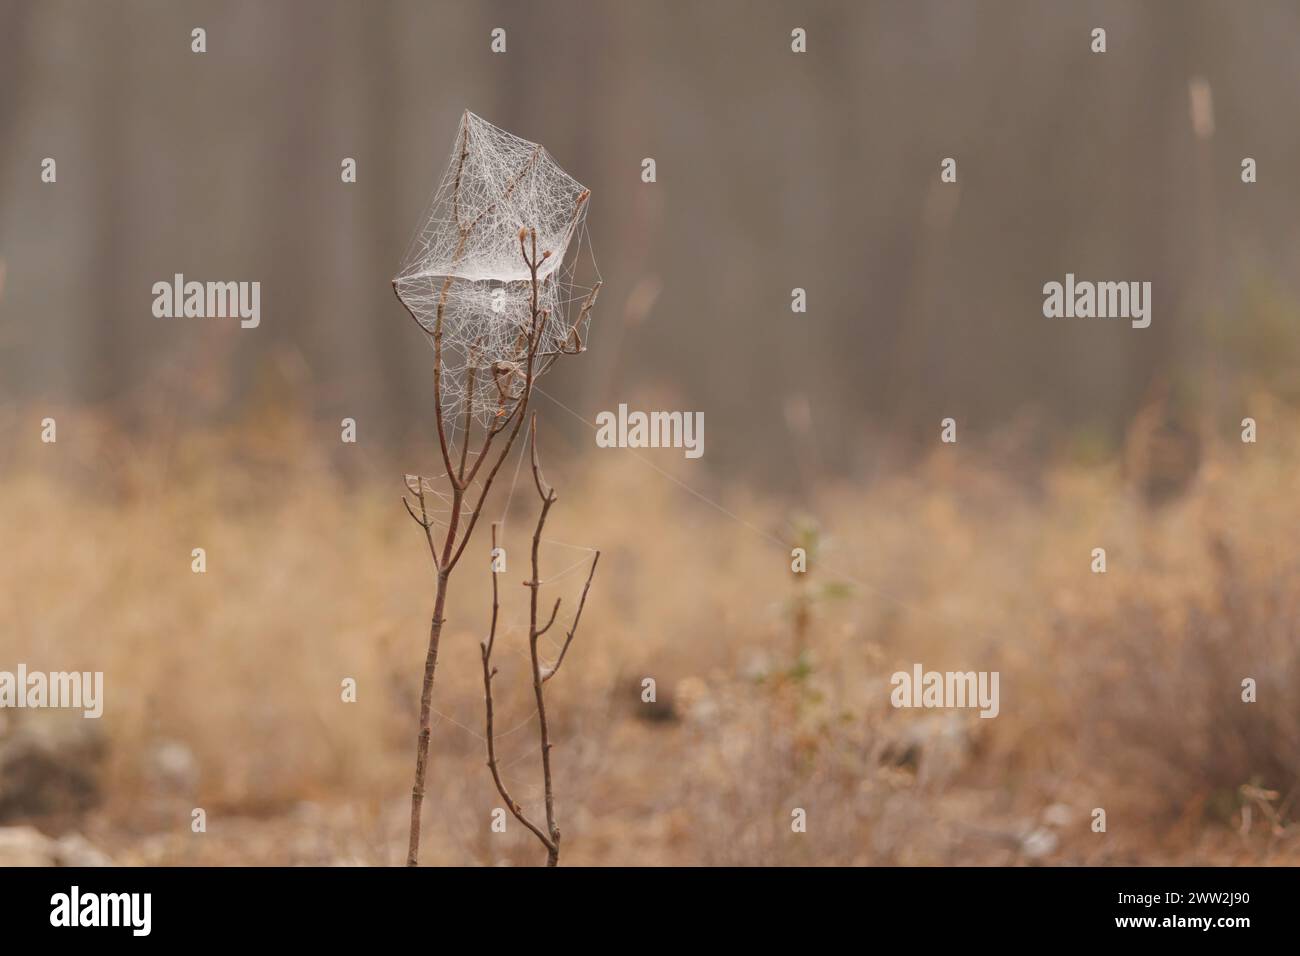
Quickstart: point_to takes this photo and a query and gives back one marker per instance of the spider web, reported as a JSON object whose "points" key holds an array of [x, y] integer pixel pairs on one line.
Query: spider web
{"points": [[466, 262]]}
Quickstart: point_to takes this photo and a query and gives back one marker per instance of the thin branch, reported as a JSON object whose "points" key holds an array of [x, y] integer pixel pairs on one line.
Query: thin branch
{"points": [[517, 413], [554, 611], [551, 671], [577, 214], [488, 673], [543, 489], [575, 332], [544, 729], [460, 167], [437, 374], [423, 518], [410, 511], [469, 415], [510, 187]]}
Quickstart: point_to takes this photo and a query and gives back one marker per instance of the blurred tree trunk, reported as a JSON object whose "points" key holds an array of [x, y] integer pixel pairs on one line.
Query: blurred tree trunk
{"points": [[105, 328], [385, 223]]}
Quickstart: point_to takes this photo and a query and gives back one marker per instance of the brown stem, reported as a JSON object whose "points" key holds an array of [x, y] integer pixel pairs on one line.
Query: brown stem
{"points": [[460, 168], [437, 379], [469, 416], [452, 550], [521, 406], [451, 553], [551, 671], [426, 720], [550, 837], [488, 673], [547, 495], [554, 611]]}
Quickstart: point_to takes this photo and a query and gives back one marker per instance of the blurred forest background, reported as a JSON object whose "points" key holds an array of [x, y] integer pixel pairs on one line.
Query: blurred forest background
{"points": [[775, 171]]}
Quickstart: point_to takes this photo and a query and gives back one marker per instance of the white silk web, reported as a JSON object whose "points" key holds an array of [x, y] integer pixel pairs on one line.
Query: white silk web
{"points": [[465, 268]]}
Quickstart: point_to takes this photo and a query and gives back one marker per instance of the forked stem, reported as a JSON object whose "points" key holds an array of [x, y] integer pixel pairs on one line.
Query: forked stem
{"points": [[541, 673]]}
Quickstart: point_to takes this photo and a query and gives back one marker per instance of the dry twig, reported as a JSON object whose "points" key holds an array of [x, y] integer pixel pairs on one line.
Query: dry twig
{"points": [[550, 836]]}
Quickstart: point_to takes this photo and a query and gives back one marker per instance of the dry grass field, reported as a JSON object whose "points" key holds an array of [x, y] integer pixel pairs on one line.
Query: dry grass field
{"points": [[1119, 691]]}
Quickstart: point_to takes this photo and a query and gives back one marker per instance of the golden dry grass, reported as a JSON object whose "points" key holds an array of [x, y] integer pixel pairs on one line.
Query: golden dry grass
{"points": [[223, 690]]}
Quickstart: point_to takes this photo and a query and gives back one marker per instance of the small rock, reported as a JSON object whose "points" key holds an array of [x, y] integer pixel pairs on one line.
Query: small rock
{"points": [[49, 764], [1038, 843], [76, 850], [27, 846], [1058, 815], [173, 767]]}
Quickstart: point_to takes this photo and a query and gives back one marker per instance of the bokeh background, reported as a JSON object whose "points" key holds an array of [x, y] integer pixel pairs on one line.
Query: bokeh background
{"points": [[775, 171]]}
